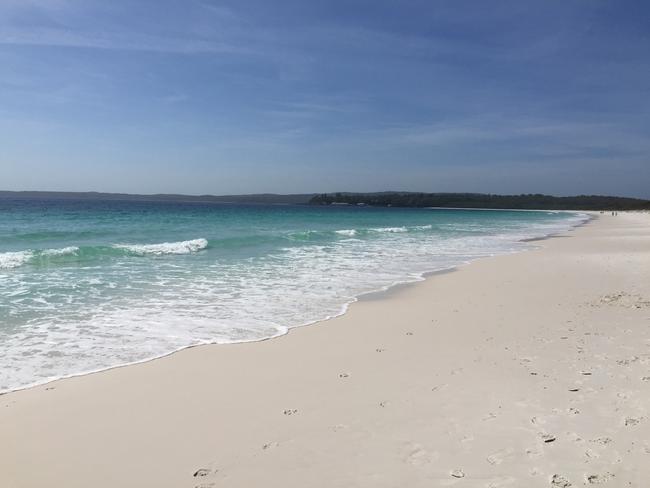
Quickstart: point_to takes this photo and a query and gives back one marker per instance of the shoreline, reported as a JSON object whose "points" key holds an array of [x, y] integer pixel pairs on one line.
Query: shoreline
{"points": [[377, 294], [521, 370]]}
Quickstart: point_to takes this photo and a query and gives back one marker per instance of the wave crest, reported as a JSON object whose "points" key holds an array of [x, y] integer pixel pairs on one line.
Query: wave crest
{"points": [[10, 260], [389, 229], [181, 247], [15, 259], [60, 252]]}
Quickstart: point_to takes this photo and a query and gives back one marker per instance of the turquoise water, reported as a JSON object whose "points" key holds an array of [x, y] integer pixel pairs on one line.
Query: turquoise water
{"points": [[86, 286]]}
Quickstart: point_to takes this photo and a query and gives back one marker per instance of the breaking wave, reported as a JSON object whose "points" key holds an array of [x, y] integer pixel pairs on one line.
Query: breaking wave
{"points": [[10, 260], [181, 247]]}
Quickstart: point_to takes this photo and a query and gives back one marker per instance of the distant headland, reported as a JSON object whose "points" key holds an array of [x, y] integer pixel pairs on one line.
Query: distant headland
{"points": [[378, 199], [482, 200]]}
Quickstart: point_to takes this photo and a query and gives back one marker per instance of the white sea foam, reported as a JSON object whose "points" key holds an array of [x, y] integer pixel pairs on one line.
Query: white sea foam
{"points": [[392, 230], [181, 247], [15, 259], [10, 260], [60, 252], [347, 232]]}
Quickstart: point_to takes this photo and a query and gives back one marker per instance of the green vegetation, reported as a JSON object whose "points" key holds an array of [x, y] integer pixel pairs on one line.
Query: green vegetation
{"points": [[479, 200]]}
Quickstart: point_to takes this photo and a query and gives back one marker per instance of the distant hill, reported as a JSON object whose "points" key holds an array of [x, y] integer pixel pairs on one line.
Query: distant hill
{"points": [[480, 200], [379, 199], [262, 198]]}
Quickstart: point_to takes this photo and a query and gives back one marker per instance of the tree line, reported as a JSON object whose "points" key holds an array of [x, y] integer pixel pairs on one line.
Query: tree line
{"points": [[480, 200]]}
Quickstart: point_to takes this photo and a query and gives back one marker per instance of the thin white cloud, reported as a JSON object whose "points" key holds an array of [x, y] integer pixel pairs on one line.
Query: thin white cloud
{"points": [[92, 25], [119, 41]]}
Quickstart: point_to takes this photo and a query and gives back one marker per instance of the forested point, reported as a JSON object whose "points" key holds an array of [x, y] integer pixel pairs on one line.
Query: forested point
{"points": [[479, 200]]}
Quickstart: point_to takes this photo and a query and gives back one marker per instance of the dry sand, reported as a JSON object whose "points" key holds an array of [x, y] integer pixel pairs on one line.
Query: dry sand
{"points": [[527, 370]]}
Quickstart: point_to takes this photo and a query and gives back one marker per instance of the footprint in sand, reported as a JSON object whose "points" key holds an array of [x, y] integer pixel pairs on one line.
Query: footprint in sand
{"points": [[627, 361], [560, 481], [533, 452], [548, 438], [203, 473], [598, 479], [623, 299], [501, 481], [290, 411], [572, 436], [498, 457], [603, 441], [632, 421], [418, 456], [344, 375], [270, 445], [457, 473]]}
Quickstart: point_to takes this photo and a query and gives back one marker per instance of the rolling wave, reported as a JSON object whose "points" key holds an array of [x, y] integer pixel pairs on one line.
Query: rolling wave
{"points": [[14, 259], [389, 229], [181, 247], [314, 234], [60, 252], [10, 260]]}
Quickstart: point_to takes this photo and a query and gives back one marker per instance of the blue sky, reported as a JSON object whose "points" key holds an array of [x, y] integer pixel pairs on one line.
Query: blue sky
{"points": [[205, 96]]}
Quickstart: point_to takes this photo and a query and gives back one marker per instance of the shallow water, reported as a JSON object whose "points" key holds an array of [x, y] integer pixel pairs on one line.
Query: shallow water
{"points": [[88, 285]]}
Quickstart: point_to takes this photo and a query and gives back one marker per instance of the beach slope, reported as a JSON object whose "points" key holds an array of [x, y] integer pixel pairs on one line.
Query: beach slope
{"points": [[530, 369]]}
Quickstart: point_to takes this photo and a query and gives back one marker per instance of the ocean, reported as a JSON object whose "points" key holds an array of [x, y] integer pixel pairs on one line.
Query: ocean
{"points": [[90, 285]]}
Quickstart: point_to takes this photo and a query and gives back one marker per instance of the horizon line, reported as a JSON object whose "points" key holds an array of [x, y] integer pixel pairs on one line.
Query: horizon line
{"points": [[271, 194]]}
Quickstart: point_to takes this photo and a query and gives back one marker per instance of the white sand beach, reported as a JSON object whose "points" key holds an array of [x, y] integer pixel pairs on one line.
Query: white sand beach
{"points": [[526, 370]]}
